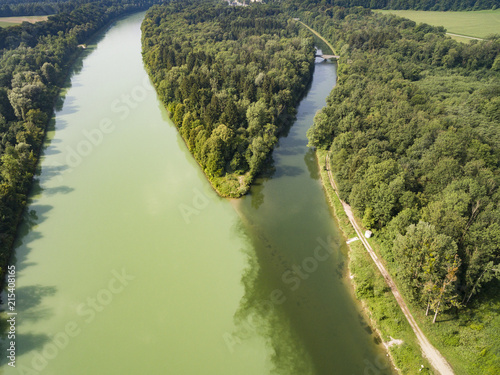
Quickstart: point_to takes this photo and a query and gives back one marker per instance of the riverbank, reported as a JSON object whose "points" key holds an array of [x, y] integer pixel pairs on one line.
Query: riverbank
{"points": [[371, 289], [136, 228], [62, 84]]}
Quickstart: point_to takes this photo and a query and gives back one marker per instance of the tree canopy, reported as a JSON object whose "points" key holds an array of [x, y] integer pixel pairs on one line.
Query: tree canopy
{"points": [[413, 130], [230, 77], [435, 5]]}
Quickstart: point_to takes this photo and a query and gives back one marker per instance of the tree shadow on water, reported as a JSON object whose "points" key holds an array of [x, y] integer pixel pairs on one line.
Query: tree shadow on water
{"points": [[288, 171], [67, 107], [29, 308], [29, 297], [256, 194], [26, 234], [257, 189], [25, 343], [49, 172], [312, 164], [258, 316]]}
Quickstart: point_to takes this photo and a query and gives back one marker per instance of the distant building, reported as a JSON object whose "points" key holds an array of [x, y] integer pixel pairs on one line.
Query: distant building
{"points": [[368, 234], [237, 3]]}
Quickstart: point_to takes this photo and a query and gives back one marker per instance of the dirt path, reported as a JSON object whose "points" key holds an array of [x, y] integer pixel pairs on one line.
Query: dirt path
{"points": [[435, 358], [319, 36], [464, 36]]}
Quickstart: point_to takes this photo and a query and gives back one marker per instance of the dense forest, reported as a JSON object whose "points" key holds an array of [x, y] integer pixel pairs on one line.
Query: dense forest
{"points": [[10, 8], [230, 78], [34, 62], [436, 5], [413, 129]]}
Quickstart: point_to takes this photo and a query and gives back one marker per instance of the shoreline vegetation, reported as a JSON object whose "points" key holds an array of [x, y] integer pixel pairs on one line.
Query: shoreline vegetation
{"points": [[374, 150], [230, 77], [413, 127], [367, 43], [380, 306], [36, 62]]}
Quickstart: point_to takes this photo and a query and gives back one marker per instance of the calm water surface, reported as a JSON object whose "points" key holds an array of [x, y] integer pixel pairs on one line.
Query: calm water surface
{"points": [[128, 262]]}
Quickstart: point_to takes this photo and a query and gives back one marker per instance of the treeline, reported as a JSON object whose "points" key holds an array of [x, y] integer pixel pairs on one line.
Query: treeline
{"points": [[413, 129], [230, 77], [34, 62], [83, 21], [30, 9], [11, 8], [436, 5]]}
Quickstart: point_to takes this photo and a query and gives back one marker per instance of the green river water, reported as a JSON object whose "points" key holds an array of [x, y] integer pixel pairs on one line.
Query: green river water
{"points": [[128, 263]]}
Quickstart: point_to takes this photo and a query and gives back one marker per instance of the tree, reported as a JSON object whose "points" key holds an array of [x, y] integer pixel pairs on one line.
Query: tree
{"points": [[489, 272], [423, 257], [447, 295], [230, 115], [49, 73], [319, 134], [257, 116]]}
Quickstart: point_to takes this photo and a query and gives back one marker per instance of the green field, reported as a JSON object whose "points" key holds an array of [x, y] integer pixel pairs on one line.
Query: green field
{"points": [[477, 24], [11, 21]]}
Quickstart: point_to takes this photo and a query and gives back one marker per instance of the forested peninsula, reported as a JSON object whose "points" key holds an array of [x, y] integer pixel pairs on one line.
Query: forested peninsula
{"points": [[35, 60], [230, 78]]}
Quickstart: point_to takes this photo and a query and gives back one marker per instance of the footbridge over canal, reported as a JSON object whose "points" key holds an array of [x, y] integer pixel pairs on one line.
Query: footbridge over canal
{"points": [[327, 57]]}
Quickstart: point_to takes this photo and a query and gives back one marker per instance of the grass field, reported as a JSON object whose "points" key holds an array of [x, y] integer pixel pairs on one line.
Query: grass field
{"points": [[10, 21], [477, 24]]}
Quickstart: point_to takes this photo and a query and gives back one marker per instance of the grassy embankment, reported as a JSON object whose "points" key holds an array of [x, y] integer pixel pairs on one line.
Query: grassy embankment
{"points": [[11, 21], [376, 297], [469, 341], [477, 24]]}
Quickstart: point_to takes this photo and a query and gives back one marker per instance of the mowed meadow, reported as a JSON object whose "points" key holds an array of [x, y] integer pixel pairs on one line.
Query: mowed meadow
{"points": [[11, 21], [478, 24]]}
